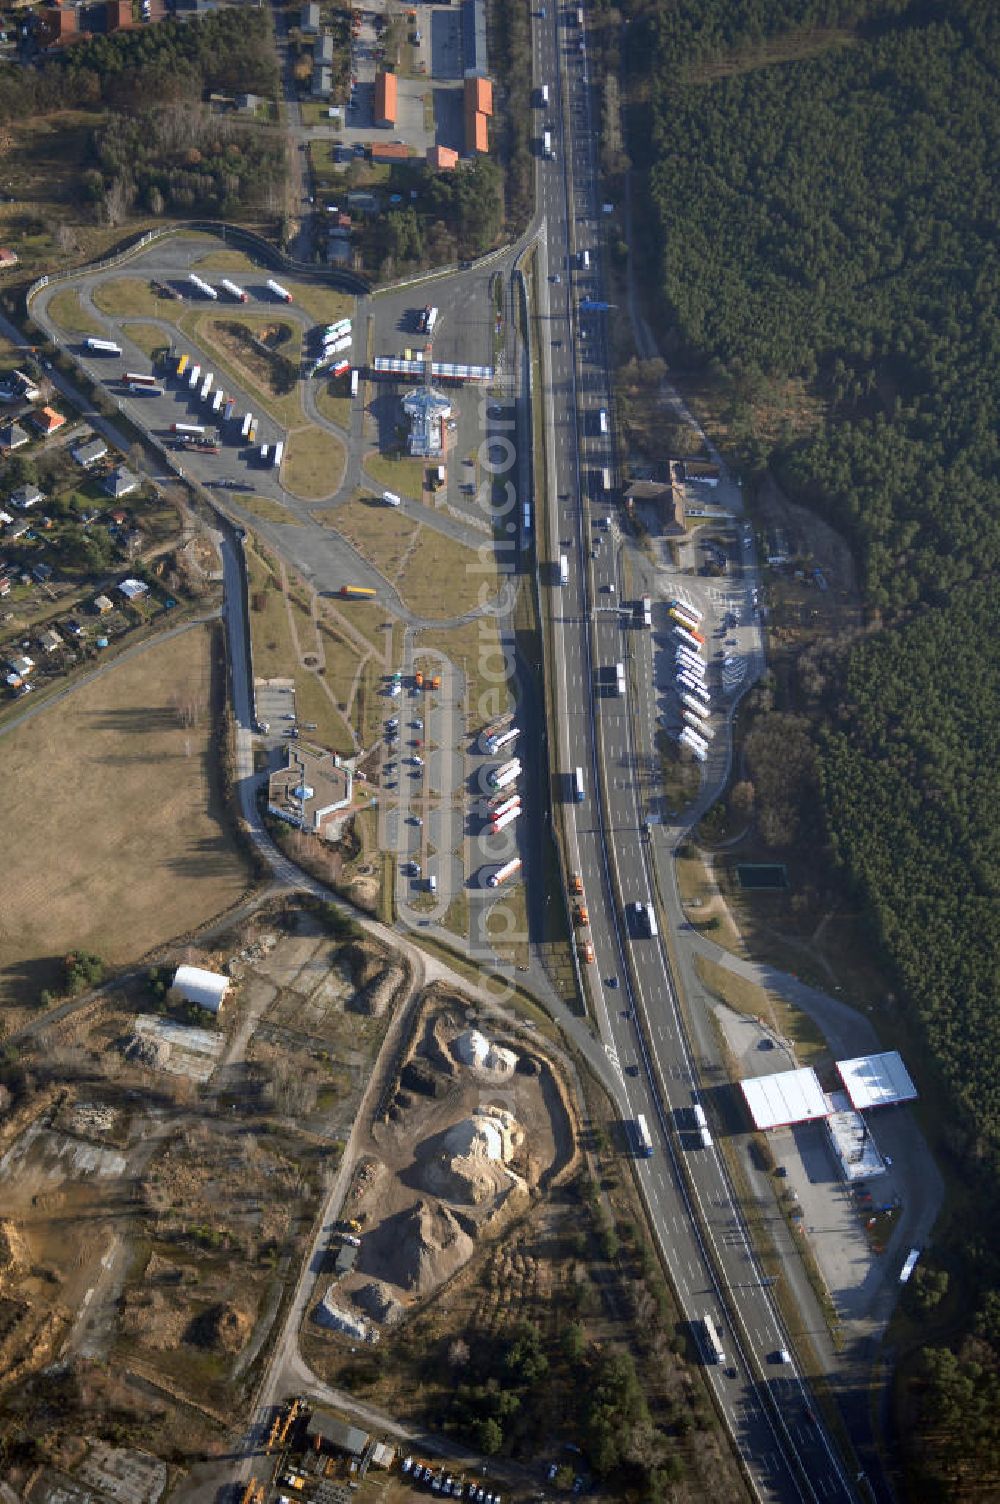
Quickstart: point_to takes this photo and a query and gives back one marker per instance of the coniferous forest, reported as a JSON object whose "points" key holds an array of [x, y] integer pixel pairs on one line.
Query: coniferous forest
{"points": [[823, 182]]}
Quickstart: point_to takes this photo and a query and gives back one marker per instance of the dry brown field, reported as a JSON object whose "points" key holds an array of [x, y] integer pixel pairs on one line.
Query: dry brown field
{"points": [[114, 839]]}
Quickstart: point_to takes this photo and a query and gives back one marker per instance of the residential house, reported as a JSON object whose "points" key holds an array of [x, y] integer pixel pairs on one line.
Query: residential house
{"points": [[4, 585], [5, 517], [133, 590], [309, 21], [103, 604], [323, 52], [703, 472], [13, 436], [121, 482], [89, 453], [322, 81], [47, 420], [205, 988], [49, 641], [474, 35], [7, 257], [25, 497], [386, 100], [42, 573], [248, 102], [20, 665], [119, 15], [17, 530]]}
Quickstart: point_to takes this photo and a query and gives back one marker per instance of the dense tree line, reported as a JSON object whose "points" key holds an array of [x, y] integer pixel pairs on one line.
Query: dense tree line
{"points": [[130, 70], [458, 215], [834, 220], [181, 160], [824, 208]]}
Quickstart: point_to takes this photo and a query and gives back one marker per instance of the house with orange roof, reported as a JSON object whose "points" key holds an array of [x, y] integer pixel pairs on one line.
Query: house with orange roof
{"points": [[442, 158], [47, 420]]}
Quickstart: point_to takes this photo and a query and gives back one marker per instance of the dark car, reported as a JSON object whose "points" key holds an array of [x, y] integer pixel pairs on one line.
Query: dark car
{"points": [[631, 1070], [612, 982]]}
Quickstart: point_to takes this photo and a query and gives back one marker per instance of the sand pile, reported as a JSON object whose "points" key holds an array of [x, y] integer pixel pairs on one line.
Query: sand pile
{"points": [[482, 1056], [468, 1164], [378, 1301], [418, 1249], [327, 1313], [221, 1329]]}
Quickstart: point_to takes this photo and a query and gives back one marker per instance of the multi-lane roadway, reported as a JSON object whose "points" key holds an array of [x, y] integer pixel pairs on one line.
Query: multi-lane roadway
{"points": [[786, 1450]]}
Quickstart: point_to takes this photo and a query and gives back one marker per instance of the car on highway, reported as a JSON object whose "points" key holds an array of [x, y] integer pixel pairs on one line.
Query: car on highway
{"points": [[417, 761], [631, 1070], [555, 277], [613, 983], [416, 820]]}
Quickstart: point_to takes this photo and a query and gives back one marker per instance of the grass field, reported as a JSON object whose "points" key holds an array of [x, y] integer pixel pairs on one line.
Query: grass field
{"points": [[147, 337], [272, 620], [225, 261], [66, 310], [313, 466], [247, 366], [474, 648], [266, 509], [336, 408], [404, 476], [127, 847], [122, 297], [746, 997], [436, 576]]}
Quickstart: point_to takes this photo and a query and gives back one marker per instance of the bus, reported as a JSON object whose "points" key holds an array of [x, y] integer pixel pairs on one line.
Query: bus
{"points": [[696, 670], [713, 1346], [354, 382], [503, 873], [689, 684], [642, 612], [563, 570], [228, 409], [182, 366], [146, 389], [188, 428], [692, 611], [279, 453], [692, 703], [694, 743], [620, 680], [102, 347], [698, 725], [688, 638], [605, 479], [643, 1141], [194, 376], [356, 592], [430, 320], [247, 421], [206, 387], [526, 518], [579, 792], [909, 1264], [683, 619], [134, 378]]}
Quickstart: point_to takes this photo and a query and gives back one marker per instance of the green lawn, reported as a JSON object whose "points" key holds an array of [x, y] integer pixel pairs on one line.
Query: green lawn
{"points": [[313, 466], [65, 309], [123, 296]]}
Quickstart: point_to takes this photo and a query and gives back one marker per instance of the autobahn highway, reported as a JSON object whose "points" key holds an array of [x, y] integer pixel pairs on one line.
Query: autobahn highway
{"points": [[767, 1407]]}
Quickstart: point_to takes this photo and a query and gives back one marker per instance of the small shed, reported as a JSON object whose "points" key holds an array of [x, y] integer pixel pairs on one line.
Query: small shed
{"points": [[206, 988]]}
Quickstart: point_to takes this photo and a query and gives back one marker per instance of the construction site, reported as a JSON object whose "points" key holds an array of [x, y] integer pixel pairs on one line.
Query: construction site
{"points": [[160, 1167]]}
